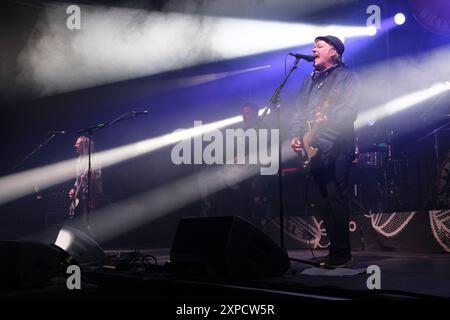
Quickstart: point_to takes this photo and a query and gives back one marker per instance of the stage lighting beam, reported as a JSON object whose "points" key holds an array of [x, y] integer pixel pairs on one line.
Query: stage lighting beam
{"points": [[401, 103]]}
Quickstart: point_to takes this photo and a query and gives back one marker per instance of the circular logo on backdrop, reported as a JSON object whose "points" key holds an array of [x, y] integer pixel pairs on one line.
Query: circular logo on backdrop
{"points": [[432, 14], [390, 224], [443, 183], [308, 231], [440, 225]]}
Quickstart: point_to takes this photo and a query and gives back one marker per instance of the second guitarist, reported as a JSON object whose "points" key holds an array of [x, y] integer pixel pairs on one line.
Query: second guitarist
{"points": [[323, 124], [78, 194]]}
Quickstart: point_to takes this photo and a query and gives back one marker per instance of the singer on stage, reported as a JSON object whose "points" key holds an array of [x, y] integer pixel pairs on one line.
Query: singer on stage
{"points": [[324, 122]]}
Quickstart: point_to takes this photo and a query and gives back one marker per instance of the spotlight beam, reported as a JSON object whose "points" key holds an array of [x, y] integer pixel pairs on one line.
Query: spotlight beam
{"points": [[401, 103], [119, 44], [205, 78], [20, 184], [146, 207], [406, 80]]}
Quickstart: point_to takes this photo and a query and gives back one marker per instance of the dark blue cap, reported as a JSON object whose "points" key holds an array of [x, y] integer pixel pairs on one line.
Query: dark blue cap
{"points": [[334, 41]]}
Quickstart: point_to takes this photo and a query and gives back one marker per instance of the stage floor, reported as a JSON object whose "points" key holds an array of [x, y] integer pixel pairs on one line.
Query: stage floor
{"points": [[420, 273], [403, 276]]}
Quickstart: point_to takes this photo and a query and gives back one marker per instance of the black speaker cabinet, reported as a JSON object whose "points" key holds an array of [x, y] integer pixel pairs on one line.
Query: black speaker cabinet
{"points": [[229, 247], [27, 264]]}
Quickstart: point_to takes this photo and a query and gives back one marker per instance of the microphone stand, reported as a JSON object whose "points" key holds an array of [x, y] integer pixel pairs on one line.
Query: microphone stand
{"points": [[89, 131], [39, 147], [275, 101]]}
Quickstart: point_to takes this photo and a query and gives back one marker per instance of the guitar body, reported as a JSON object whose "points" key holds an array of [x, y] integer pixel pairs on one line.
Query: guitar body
{"points": [[74, 202], [73, 206], [310, 150], [308, 139]]}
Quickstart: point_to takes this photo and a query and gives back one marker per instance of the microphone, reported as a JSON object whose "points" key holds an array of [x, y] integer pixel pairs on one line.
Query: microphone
{"points": [[303, 56], [56, 132], [138, 113]]}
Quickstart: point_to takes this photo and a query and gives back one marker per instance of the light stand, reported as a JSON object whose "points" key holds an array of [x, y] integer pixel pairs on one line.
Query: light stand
{"points": [[435, 134]]}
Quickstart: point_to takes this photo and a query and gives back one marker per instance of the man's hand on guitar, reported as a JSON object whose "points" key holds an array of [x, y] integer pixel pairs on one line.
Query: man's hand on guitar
{"points": [[296, 144], [320, 118]]}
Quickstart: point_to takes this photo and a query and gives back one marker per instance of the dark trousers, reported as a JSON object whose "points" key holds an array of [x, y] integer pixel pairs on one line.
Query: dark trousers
{"points": [[331, 176]]}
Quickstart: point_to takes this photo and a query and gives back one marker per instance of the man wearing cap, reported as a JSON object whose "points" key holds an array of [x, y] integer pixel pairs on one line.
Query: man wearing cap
{"points": [[325, 112]]}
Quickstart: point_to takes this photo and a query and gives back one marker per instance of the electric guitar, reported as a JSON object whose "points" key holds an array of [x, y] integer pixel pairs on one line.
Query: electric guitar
{"points": [[94, 199], [309, 150], [74, 202]]}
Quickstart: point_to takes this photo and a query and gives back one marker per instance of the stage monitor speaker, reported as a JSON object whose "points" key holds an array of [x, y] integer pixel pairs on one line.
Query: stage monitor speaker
{"points": [[229, 247], [27, 264], [82, 248]]}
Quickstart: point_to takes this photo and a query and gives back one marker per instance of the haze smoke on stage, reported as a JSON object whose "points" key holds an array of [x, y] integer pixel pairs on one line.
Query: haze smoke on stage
{"points": [[118, 44], [395, 85]]}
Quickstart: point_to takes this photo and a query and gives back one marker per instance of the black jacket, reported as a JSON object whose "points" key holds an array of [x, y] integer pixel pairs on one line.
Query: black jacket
{"points": [[340, 87]]}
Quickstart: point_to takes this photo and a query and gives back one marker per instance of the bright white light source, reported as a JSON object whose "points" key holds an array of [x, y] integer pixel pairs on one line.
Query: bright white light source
{"points": [[371, 30], [64, 239], [399, 18]]}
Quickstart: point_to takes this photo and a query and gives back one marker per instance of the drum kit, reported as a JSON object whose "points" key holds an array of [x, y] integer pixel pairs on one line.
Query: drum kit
{"points": [[379, 179]]}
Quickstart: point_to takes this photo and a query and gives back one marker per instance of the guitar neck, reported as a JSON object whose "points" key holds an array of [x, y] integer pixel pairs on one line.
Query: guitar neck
{"points": [[313, 129]]}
